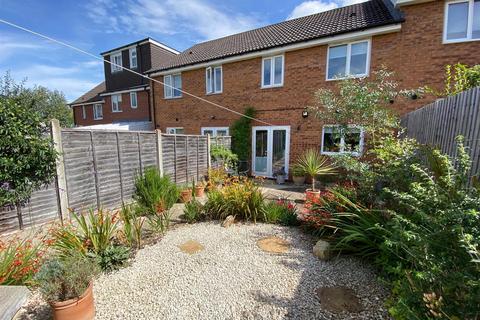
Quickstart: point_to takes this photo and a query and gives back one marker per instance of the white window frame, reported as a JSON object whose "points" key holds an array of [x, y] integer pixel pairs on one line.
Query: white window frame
{"points": [[342, 141], [116, 66], [272, 71], [174, 129], [130, 54], [95, 106], [349, 53], [132, 105], [213, 88], [118, 101], [469, 22], [215, 129], [84, 113], [171, 87]]}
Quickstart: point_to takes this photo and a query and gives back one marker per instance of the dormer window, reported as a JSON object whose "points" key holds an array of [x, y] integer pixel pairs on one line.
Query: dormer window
{"points": [[462, 21], [133, 58], [116, 60]]}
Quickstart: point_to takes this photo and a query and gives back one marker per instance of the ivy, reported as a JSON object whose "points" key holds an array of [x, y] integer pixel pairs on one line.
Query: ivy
{"points": [[240, 132]]}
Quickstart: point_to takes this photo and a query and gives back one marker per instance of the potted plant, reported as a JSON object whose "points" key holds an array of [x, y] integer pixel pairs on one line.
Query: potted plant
{"points": [[66, 283], [314, 164], [186, 194], [200, 189], [298, 175], [280, 175]]}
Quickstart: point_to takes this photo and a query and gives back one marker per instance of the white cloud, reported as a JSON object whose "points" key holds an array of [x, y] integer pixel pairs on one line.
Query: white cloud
{"points": [[316, 6], [193, 17]]}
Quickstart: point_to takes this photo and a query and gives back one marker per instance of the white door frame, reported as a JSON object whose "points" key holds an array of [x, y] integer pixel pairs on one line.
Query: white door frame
{"points": [[269, 173]]}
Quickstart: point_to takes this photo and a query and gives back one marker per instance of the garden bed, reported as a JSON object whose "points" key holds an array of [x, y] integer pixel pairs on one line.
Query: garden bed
{"points": [[232, 278]]}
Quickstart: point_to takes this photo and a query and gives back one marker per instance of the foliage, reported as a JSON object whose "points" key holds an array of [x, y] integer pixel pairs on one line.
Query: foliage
{"points": [[132, 226], [240, 132], [297, 171], [154, 193], [216, 176], [112, 258], [224, 155], [315, 165], [66, 278], [193, 211], [27, 157], [68, 240], [458, 78], [39, 100], [282, 211], [240, 197], [160, 221], [20, 260]]}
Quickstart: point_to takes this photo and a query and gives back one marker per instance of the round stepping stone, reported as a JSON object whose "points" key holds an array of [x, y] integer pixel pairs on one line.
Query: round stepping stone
{"points": [[191, 247], [273, 245], [338, 299]]}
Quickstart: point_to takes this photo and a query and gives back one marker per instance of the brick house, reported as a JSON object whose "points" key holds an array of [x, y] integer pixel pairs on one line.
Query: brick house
{"points": [[123, 99]]}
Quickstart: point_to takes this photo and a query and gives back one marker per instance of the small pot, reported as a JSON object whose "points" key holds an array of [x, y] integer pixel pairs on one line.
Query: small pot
{"points": [[186, 195], [199, 191], [280, 179], [311, 195], [298, 180], [81, 308]]}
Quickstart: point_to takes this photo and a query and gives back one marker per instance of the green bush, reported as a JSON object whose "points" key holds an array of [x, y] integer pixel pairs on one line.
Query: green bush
{"points": [[132, 228], [193, 211], [112, 258], [240, 132], [224, 155], [282, 212]]}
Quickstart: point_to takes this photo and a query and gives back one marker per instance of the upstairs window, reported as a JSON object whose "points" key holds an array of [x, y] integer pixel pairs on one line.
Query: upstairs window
{"points": [[133, 100], [116, 60], [172, 86], [214, 81], [178, 130], [348, 60], [116, 101], [97, 111], [462, 21], [339, 140], [272, 72], [133, 58], [84, 113], [215, 131]]}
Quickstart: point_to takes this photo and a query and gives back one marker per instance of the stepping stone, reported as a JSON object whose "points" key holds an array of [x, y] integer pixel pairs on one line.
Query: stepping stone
{"points": [[338, 299], [191, 247], [273, 245], [11, 300]]}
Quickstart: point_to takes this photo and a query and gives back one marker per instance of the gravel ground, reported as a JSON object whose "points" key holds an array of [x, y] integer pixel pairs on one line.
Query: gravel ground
{"points": [[232, 279]]}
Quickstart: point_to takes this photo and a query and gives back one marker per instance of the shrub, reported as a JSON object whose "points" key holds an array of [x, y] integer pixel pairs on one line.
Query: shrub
{"points": [[160, 221], [240, 131], [112, 258], [132, 228], [224, 155], [216, 176], [19, 261], [154, 193], [64, 279], [314, 164], [193, 211], [282, 212]]}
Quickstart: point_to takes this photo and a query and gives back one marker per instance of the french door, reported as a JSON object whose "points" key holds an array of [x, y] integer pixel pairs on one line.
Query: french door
{"points": [[270, 150]]}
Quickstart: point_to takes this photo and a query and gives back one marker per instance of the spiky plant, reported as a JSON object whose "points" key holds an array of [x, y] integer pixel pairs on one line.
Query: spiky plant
{"points": [[314, 164]]}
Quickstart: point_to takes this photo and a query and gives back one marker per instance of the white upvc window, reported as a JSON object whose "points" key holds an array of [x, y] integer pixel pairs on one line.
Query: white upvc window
{"points": [[272, 71], [133, 100], [133, 58], [97, 111], [116, 60], [214, 79], [348, 60], [175, 130], [84, 113], [172, 86], [338, 139], [462, 21], [215, 131], [116, 101]]}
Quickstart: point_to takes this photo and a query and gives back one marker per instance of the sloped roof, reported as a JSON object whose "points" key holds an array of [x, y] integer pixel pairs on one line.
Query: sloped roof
{"points": [[92, 95], [374, 13]]}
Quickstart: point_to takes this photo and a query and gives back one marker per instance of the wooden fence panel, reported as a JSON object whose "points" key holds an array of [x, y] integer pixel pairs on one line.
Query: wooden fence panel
{"points": [[439, 123]]}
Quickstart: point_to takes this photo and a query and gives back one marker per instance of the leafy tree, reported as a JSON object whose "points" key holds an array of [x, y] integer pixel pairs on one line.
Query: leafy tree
{"points": [[458, 78], [27, 157], [240, 132], [48, 104]]}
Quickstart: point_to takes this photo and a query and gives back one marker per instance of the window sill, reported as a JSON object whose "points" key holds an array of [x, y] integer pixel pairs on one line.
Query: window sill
{"points": [[172, 98], [459, 41], [97, 119], [360, 76], [272, 87], [116, 111], [213, 93], [327, 153], [117, 71]]}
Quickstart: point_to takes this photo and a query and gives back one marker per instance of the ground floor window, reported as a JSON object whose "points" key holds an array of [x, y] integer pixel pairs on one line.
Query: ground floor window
{"points": [[177, 130], [215, 131], [97, 111], [339, 139]]}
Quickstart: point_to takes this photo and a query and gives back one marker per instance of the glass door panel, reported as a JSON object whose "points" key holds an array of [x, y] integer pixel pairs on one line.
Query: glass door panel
{"points": [[261, 151], [279, 145]]}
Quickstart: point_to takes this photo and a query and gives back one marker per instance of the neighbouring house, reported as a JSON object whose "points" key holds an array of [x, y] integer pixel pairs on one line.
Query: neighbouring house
{"points": [[276, 69], [122, 101]]}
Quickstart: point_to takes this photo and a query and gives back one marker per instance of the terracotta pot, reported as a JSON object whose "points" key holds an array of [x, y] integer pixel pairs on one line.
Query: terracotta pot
{"points": [[186, 195], [312, 195], [81, 308], [298, 180], [199, 191]]}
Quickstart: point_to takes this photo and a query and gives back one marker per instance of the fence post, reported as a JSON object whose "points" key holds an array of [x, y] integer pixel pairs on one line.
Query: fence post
{"points": [[159, 151], [60, 177], [95, 172], [209, 158]]}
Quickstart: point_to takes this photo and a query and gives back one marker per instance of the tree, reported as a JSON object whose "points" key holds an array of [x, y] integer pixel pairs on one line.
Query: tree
{"points": [[458, 78], [27, 156], [48, 104]]}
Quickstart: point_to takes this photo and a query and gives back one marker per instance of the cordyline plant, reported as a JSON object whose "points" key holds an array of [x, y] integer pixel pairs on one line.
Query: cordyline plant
{"points": [[314, 164]]}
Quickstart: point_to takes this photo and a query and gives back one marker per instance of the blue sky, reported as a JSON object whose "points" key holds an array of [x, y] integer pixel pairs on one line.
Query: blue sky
{"points": [[100, 25]]}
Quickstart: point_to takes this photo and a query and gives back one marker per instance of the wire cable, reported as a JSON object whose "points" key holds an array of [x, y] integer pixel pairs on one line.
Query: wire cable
{"points": [[129, 70]]}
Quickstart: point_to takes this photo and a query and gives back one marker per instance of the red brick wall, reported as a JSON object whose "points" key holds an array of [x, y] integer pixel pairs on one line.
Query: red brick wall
{"points": [[141, 113], [416, 54]]}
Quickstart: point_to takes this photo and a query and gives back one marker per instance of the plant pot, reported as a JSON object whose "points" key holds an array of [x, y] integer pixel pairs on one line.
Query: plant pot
{"points": [[81, 308], [186, 195], [311, 195], [280, 179], [199, 191], [298, 180]]}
